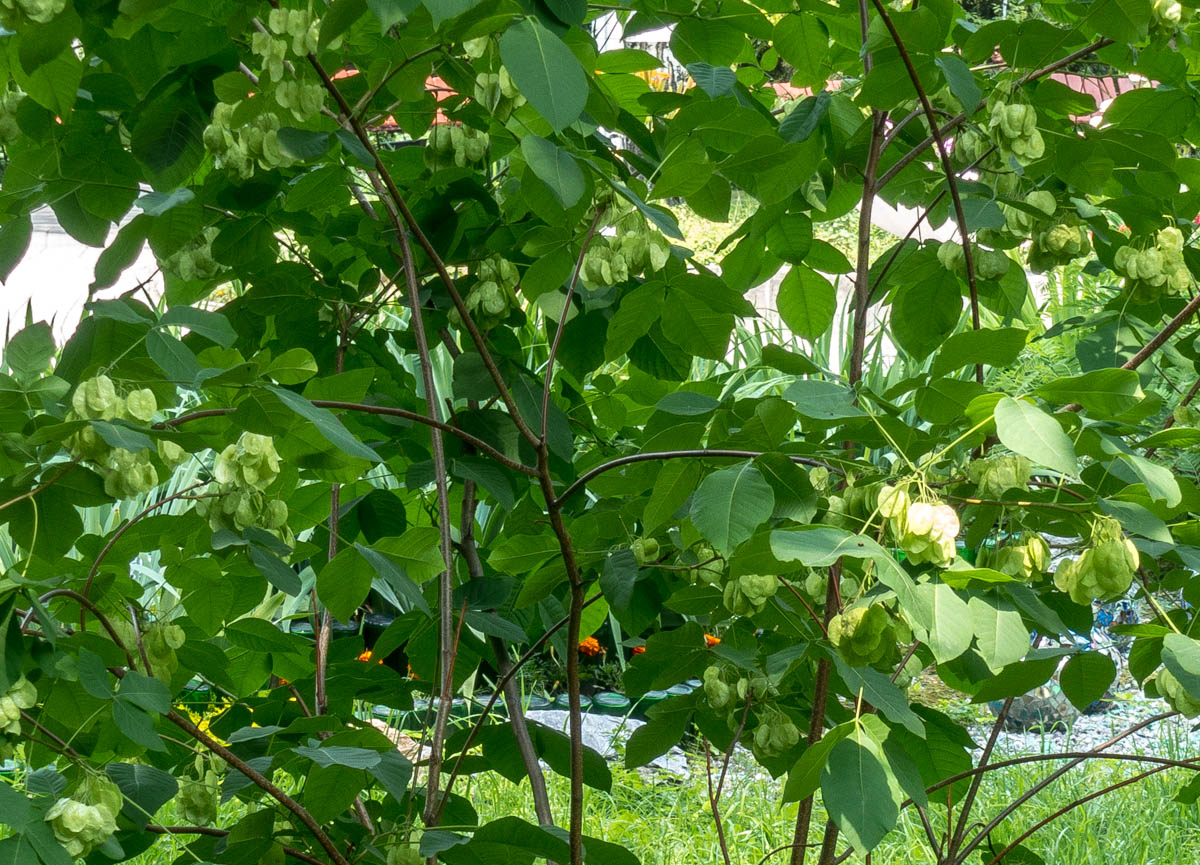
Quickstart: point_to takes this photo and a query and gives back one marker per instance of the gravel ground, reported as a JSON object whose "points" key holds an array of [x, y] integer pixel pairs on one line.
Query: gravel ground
{"points": [[1177, 735]]}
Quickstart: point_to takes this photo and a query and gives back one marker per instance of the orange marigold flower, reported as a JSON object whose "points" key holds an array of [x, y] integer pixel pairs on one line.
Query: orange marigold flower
{"points": [[710, 640], [590, 647], [638, 650]]}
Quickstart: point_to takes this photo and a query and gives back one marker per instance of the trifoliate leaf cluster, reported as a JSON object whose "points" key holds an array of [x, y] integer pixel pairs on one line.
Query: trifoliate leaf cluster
{"points": [[247, 146], [863, 635], [15, 12], [1177, 697], [1014, 131], [1105, 570], [749, 593], [453, 144], [995, 476], [126, 474], [1152, 270]]}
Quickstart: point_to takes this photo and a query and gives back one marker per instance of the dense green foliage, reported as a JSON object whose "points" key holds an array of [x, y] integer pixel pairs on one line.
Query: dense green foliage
{"points": [[475, 376]]}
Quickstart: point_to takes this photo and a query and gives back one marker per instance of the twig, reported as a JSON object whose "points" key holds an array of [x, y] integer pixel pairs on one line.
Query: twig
{"points": [[951, 180], [958, 119], [649, 456], [221, 833], [562, 321], [816, 723], [365, 408], [95, 568], [1154, 344]]}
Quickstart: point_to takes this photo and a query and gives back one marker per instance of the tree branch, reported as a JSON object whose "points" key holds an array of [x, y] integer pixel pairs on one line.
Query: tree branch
{"points": [[221, 833], [1154, 344], [388, 411], [649, 456], [562, 321], [958, 119], [943, 155]]}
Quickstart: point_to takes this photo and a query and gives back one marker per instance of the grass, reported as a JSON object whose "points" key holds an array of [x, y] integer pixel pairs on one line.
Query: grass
{"points": [[668, 822]]}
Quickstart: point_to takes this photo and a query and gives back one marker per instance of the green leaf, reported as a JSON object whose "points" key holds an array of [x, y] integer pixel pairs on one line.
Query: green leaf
{"points": [[401, 583], [1159, 480], [1181, 655], [1027, 430], [145, 692], [713, 80], [277, 573], [994, 346], [136, 725], [339, 755], [859, 791], [14, 241], [211, 325], [555, 167], [338, 18], [259, 635], [1102, 392], [145, 788], [950, 632], [806, 302], [695, 327], [173, 357], [822, 400], [804, 778], [509, 840], [878, 690], [523, 554], [730, 504], [961, 81], [676, 481], [662, 731], [926, 312], [1086, 677], [999, 631], [545, 71], [303, 145], [326, 423], [803, 41], [158, 203], [343, 583], [29, 352]]}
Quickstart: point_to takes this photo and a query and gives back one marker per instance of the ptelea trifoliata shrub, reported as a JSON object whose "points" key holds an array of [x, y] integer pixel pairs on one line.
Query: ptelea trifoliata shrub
{"points": [[775, 732]]}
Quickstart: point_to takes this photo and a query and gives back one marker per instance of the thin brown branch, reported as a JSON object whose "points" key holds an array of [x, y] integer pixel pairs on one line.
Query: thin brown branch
{"points": [[954, 122], [401, 216], [562, 321], [649, 456], [816, 723], [969, 800], [221, 833], [262, 782], [939, 141], [1154, 344], [714, 796], [387, 411], [117, 535]]}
